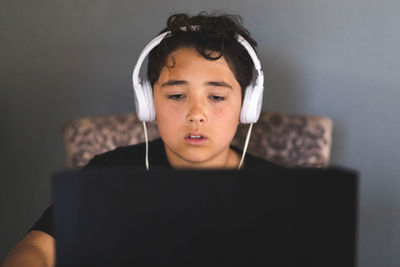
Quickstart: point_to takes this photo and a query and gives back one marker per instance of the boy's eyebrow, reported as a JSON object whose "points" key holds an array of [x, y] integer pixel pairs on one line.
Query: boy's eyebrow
{"points": [[173, 82], [220, 83], [180, 82]]}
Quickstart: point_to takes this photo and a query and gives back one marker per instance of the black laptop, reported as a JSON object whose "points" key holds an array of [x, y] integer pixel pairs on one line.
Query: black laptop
{"points": [[128, 217]]}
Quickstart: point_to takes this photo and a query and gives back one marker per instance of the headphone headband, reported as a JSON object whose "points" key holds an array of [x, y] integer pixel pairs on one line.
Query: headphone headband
{"points": [[157, 40]]}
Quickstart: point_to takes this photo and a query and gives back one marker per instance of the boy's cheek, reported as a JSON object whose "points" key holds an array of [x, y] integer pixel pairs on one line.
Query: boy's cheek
{"points": [[170, 115]]}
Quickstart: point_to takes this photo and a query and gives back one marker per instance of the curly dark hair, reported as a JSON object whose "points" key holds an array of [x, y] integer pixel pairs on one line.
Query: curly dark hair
{"points": [[214, 37]]}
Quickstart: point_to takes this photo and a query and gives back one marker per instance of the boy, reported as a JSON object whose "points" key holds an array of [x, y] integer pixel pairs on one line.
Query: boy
{"points": [[198, 74]]}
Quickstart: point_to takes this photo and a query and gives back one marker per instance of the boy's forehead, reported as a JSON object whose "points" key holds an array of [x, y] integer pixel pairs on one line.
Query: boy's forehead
{"points": [[187, 65]]}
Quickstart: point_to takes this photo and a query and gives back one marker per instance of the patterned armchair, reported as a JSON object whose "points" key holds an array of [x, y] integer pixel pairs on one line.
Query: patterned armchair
{"points": [[286, 139]]}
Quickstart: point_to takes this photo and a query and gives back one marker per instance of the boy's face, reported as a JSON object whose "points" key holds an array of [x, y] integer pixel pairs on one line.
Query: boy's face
{"points": [[197, 103]]}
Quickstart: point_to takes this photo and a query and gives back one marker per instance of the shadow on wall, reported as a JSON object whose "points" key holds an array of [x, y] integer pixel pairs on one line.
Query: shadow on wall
{"points": [[282, 86], [285, 90], [338, 141]]}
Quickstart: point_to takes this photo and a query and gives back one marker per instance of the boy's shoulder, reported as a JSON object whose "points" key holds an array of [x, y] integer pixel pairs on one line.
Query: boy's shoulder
{"points": [[125, 156], [257, 162], [252, 161]]}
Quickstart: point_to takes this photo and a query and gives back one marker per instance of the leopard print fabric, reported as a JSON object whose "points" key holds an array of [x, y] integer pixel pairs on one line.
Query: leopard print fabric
{"points": [[286, 139]]}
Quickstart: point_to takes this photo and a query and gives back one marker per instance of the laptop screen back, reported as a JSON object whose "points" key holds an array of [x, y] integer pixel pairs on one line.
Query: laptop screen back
{"points": [[126, 217]]}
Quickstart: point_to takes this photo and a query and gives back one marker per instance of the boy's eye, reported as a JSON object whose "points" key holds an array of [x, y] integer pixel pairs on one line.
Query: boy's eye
{"points": [[176, 96], [217, 98]]}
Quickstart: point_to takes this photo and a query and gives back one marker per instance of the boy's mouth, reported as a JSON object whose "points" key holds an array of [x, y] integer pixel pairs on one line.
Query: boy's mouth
{"points": [[195, 139]]}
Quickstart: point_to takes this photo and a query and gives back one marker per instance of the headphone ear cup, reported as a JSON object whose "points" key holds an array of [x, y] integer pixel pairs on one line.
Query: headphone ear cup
{"points": [[148, 96], [144, 101], [245, 105], [139, 101], [252, 102]]}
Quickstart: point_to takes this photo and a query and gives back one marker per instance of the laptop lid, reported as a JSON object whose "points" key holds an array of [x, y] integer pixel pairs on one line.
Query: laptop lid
{"points": [[127, 217]]}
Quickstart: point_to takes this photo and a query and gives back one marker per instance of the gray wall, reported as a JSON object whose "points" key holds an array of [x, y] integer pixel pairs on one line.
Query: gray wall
{"points": [[66, 59]]}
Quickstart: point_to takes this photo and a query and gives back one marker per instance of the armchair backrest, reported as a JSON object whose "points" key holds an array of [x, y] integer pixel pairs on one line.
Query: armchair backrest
{"points": [[286, 139]]}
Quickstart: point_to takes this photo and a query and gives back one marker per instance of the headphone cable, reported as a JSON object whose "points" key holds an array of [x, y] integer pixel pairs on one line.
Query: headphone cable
{"points": [[147, 146], [245, 145]]}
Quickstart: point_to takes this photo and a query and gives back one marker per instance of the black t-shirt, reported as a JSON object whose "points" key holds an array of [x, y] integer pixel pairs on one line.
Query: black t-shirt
{"points": [[134, 156]]}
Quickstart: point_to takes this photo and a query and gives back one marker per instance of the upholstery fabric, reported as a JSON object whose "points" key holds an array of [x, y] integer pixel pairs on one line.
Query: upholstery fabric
{"points": [[286, 139]]}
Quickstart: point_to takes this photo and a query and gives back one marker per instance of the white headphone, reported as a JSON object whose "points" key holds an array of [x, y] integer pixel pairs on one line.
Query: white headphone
{"points": [[144, 103]]}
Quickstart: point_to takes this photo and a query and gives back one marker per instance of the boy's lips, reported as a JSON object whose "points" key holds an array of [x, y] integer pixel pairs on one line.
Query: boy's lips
{"points": [[196, 138]]}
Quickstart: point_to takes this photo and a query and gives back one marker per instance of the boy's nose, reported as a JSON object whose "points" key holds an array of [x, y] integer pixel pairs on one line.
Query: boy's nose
{"points": [[196, 115]]}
